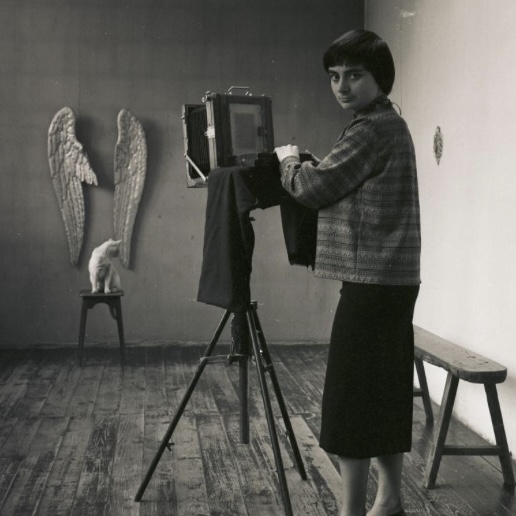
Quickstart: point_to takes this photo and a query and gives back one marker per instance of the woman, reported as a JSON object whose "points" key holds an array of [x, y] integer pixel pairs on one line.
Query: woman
{"points": [[369, 239]]}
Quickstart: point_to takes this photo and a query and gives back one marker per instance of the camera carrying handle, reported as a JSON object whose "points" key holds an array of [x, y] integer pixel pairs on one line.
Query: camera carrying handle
{"points": [[247, 93]]}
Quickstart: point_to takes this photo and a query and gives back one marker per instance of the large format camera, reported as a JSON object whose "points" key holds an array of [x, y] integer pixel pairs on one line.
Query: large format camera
{"points": [[227, 130]]}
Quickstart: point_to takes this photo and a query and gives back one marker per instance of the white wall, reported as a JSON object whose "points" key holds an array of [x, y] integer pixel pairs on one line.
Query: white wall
{"points": [[456, 68]]}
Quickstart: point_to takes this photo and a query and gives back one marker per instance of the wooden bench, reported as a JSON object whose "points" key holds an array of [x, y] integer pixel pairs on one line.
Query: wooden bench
{"points": [[461, 364]]}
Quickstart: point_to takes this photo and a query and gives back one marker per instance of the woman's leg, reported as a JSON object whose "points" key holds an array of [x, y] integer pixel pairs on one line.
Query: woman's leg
{"points": [[388, 497], [354, 473]]}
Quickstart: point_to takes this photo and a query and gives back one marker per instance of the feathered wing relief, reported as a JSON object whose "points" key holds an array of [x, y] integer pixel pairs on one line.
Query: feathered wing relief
{"points": [[130, 170], [69, 166]]}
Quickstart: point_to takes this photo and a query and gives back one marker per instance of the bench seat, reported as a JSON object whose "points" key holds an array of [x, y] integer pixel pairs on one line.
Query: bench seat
{"points": [[461, 364], [459, 361]]}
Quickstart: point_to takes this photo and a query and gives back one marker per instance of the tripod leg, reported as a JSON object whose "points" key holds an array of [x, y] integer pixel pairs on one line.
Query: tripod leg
{"points": [[268, 412], [244, 399], [166, 439], [279, 396], [241, 348]]}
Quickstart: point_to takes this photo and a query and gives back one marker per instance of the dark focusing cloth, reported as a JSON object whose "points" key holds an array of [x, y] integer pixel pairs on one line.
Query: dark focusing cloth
{"points": [[233, 192], [367, 399]]}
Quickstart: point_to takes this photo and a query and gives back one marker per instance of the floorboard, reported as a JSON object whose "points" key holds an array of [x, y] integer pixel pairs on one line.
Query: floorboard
{"points": [[79, 440]]}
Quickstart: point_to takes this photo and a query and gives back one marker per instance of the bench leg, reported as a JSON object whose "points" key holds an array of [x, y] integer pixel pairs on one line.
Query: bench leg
{"points": [[82, 331], [441, 430], [499, 432], [421, 375]]}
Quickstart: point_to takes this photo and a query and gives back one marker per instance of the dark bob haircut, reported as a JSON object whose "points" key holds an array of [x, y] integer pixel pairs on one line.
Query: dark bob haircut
{"points": [[365, 48]]}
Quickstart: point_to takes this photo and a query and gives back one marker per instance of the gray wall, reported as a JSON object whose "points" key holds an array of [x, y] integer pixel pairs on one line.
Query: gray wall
{"points": [[151, 57]]}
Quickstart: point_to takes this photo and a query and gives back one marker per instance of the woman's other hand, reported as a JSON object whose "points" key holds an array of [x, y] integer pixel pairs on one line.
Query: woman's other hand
{"points": [[286, 151]]}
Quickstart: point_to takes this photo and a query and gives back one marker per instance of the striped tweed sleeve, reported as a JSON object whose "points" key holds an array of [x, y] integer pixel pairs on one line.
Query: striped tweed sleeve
{"points": [[350, 162]]}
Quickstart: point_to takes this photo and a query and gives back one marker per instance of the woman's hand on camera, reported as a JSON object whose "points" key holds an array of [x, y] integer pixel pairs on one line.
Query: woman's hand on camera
{"points": [[286, 151]]}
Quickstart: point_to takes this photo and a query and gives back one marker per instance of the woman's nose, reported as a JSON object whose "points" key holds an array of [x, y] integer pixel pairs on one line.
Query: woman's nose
{"points": [[343, 85]]}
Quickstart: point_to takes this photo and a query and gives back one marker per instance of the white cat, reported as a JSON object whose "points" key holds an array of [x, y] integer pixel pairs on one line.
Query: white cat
{"points": [[103, 275]]}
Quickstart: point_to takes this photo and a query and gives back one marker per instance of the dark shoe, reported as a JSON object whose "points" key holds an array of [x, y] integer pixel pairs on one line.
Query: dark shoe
{"points": [[399, 513]]}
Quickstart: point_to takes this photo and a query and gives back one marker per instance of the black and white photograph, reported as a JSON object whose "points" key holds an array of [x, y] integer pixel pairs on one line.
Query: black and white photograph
{"points": [[257, 258]]}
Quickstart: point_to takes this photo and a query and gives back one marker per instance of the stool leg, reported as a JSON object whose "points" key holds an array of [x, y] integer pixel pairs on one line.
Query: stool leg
{"points": [[82, 330], [120, 326], [499, 431], [441, 430]]}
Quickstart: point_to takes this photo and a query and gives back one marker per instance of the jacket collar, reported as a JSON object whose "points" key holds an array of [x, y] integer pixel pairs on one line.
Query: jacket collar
{"points": [[381, 100]]}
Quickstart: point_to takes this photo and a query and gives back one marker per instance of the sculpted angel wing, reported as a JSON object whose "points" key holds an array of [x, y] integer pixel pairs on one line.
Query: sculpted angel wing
{"points": [[130, 170], [69, 166]]}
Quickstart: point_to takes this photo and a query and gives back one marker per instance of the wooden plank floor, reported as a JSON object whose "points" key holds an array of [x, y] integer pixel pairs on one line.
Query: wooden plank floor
{"points": [[77, 441]]}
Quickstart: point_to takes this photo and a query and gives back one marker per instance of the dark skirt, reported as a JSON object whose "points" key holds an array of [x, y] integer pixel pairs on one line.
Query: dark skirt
{"points": [[367, 399]]}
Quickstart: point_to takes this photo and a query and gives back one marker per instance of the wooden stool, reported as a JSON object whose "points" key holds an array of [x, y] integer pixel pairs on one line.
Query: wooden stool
{"points": [[89, 300]]}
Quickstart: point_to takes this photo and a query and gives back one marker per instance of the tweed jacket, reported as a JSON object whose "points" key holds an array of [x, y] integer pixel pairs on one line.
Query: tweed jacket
{"points": [[366, 192]]}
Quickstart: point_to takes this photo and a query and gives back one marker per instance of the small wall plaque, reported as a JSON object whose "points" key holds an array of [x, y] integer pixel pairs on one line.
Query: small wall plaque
{"points": [[438, 144]]}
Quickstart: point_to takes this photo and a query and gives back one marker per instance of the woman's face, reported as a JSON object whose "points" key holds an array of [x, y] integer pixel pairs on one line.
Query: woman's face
{"points": [[353, 86]]}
